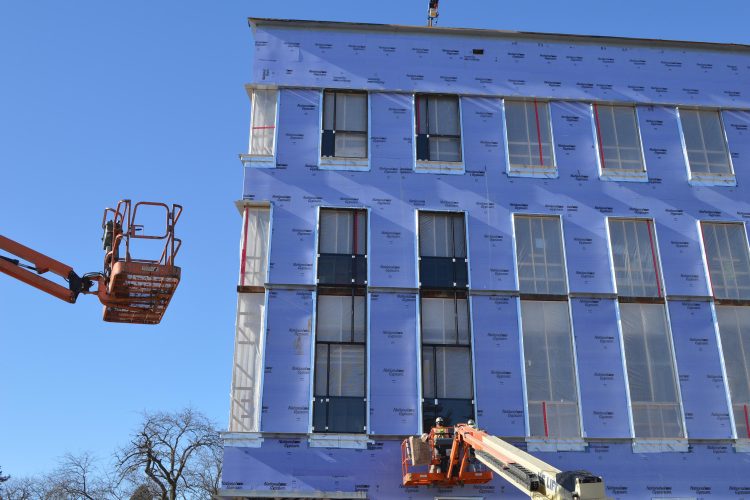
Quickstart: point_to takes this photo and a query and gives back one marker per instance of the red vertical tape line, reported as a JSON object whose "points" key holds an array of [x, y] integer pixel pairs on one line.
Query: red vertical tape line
{"points": [[747, 422], [244, 247], [544, 415], [599, 135], [538, 134], [653, 258]]}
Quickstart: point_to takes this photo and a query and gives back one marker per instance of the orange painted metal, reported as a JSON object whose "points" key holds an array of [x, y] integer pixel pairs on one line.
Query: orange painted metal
{"points": [[132, 290], [459, 462]]}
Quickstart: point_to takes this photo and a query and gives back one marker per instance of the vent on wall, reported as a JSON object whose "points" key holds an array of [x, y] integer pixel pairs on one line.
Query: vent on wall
{"points": [[477, 52]]}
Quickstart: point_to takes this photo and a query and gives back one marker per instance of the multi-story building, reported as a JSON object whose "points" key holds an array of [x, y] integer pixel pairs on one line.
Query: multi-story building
{"points": [[545, 233]]}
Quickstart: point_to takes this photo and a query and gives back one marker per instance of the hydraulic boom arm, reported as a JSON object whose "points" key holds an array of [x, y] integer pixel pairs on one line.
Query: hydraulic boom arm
{"points": [[454, 456]]}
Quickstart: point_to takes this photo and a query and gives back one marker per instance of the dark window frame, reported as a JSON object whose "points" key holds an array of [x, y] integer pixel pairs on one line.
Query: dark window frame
{"points": [[356, 261], [459, 265], [325, 399], [422, 139], [328, 136]]}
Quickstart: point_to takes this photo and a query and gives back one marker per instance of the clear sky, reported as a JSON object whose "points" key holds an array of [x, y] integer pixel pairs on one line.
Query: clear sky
{"points": [[144, 99]]}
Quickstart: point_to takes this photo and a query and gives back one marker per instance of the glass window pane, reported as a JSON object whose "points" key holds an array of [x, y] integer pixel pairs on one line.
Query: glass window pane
{"points": [[336, 231], [321, 370], [351, 145], [421, 119], [360, 318], [351, 112], [550, 368], [459, 236], [346, 370], [435, 235], [445, 149], [651, 373], [360, 227], [705, 142], [462, 311], [263, 121], [428, 372], [539, 254], [329, 105], [453, 372], [619, 138], [728, 259], [443, 115], [528, 124], [438, 321], [334, 318], [633, 252]]}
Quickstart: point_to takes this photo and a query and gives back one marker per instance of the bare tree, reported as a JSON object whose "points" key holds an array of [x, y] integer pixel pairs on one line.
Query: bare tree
{"points": [[167, 448], [204, 480], [79, 477]]}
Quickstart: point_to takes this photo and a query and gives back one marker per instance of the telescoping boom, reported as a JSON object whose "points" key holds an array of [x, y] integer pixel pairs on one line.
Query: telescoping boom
{"points": [[466, 455]]}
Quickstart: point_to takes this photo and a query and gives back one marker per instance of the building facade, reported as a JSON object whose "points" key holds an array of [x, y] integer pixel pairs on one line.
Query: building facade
{"points": [[544, 233]]}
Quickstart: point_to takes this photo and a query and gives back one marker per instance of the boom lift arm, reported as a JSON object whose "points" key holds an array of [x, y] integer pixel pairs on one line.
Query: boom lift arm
{"points": [[131, 290], [455, 455]]}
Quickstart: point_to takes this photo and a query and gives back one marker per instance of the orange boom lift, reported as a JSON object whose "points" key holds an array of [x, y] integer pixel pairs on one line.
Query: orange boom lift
{"points": [[455, 456], [132, 290]]}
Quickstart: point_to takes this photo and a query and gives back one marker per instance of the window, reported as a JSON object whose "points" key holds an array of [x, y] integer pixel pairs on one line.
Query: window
{"points": [[339, 389], [539, 255], [619, 140], [705, 143], [651, 374], [438, 128], [263, 122], [635, 258], [447, 386], [734, 329], [728, 259], [254, 264], [529, 135], [342, 257], [344, 125], [550, 369], [442, 250]]}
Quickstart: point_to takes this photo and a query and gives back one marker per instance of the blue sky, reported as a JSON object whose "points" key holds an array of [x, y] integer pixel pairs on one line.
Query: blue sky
{"points": [[145, 100]]}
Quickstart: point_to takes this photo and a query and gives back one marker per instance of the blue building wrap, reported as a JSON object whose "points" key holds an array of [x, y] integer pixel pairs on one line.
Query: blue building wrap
{"points": [[301, 59]]}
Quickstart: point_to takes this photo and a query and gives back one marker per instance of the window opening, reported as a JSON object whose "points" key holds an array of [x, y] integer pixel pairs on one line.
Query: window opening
{"points": [[263, 122], [635, 259], [539, 254], [728, 259], [618, 138], [529, 133], [344, 132], [342, 247], [442, 250], [339, 403], [734, 329], [705, 142], [438, 128]]}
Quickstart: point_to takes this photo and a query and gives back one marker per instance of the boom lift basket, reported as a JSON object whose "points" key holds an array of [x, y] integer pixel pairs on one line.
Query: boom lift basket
{"points": [[137, 290]]}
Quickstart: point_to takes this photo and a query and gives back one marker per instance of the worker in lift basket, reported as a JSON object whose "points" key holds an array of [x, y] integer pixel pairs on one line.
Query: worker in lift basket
{"points": [[440, 450]]}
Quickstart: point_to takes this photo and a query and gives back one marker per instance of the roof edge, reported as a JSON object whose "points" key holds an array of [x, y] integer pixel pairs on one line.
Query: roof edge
{"points": [[254, 22]]}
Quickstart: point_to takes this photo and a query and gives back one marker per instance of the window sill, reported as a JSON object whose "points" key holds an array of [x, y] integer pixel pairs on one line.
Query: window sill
{"points": [[440, 167], [676, 445], [555, 444], [742, 446], [258, 161], [533, 171], [712, 180], [333, 163], [242, 439], [623, 175], [350, 441]]}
